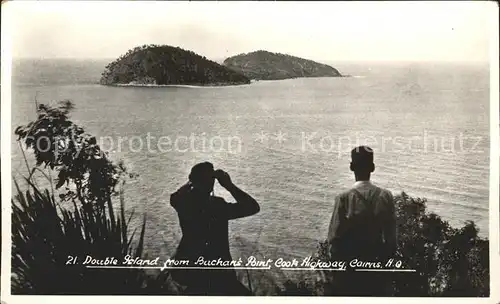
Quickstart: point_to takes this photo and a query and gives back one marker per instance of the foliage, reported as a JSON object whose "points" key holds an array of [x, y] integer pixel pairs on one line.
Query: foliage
{"points": [[45, 234], [161, 65], [64, 147], [448, 261], [264, 65]]}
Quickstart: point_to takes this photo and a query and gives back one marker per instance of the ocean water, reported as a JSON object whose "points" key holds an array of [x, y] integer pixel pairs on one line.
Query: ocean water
{"points": [[284, 142]]}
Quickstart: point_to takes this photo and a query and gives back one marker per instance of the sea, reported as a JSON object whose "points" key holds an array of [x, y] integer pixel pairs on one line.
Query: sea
{"points": [[284, 142]]}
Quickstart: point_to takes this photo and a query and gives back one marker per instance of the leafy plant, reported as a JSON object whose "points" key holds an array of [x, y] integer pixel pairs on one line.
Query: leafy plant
{"points": [[64, 147], [448, 261], [50, 242]]}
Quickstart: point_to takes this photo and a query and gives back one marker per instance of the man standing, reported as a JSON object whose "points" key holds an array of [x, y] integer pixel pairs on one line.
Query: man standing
{"points": [[363, 227], [204, 223]]}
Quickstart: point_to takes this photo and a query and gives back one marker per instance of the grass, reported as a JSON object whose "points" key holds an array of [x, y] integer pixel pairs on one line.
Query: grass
{"points": [[45, 236]]}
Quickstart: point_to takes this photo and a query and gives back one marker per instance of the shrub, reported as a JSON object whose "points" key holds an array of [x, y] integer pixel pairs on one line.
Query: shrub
{"points": [[47, 237], [448, 261], [64, 147]]}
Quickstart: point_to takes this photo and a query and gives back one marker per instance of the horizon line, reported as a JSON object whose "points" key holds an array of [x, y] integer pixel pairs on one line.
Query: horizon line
{"points": [[317, 60]]}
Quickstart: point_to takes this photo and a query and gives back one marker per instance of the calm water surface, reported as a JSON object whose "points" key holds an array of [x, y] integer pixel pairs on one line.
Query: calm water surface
{"points": [[285, 142]]}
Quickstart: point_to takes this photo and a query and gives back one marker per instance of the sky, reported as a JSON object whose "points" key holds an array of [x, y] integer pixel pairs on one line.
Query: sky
{"points": [[329, 31]]}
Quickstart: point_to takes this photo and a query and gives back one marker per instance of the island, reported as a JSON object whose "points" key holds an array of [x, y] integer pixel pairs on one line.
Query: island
{"points": [[151, 65], [264, 65]]}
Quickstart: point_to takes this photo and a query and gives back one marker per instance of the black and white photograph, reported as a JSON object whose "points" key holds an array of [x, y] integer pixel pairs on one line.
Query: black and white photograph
{"points": [[323, 149]]}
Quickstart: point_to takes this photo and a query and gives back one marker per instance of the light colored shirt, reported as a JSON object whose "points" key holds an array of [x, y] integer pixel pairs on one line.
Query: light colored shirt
{"points": [[365, 210]]}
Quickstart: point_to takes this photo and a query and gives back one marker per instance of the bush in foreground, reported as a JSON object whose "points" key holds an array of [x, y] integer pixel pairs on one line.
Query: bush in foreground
{"points": [[50, 243], [50, 240], [448, 261]]}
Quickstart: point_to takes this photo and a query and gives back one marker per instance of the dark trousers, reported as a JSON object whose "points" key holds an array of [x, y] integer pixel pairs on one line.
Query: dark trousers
{"points": [[228, 288], [210, 282], [360, 284]]}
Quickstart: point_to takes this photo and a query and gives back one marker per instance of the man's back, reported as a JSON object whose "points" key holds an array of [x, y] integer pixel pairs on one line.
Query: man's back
{"points": [[363, 222], [204, 226], [362, 227]]}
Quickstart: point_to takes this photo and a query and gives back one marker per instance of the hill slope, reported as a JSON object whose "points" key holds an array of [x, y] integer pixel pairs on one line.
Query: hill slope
{"points": [[161, 65], [264, 65]]}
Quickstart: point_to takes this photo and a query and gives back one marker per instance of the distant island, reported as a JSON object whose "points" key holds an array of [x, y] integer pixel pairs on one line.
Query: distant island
{"points": [[168, 65], [264, 65]]}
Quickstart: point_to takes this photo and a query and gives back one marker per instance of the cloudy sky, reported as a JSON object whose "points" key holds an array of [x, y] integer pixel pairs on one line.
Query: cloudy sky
{"points": [[430, 31]]}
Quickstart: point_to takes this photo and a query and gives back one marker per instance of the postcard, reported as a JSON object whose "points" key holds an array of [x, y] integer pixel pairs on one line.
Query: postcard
{"points": [[269, 149]]}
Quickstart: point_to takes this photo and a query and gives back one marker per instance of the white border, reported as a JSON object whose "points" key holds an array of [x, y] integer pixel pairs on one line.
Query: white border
{"points": [[5, 126], [494, 210]]}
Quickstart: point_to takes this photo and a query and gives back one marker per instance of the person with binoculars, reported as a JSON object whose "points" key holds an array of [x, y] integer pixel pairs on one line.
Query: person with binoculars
{"points": [[204, 220]]}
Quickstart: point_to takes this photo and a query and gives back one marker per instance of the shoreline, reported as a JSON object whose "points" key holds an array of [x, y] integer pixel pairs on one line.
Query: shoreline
{"points": [[194, 86], [213, 85]]}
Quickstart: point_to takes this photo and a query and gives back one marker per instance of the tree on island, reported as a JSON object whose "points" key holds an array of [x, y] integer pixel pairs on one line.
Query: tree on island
{"points": [[162, 65], [265, 65]]}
